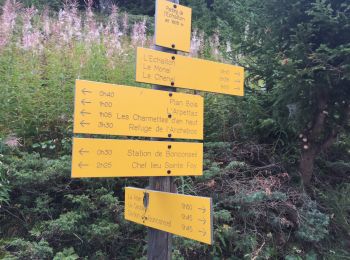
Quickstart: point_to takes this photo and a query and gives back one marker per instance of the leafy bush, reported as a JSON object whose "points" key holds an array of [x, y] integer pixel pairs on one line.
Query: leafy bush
{"points": [[22, 249], [313, 224]]}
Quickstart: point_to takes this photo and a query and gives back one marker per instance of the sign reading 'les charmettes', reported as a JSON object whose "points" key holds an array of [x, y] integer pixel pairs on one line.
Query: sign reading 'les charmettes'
{"points": [[168, 69], [183, 215], [135, 158], [109, 109], [173, 25]]}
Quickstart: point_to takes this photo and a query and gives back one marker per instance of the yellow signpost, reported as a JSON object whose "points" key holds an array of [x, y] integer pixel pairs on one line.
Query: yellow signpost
{"points": [[135, 158], [168, 69], [183, 215], [173, 26], [109, 109]]}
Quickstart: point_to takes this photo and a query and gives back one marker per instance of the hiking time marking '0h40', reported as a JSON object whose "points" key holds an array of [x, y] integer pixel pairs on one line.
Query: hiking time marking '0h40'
{"points": [[102, 108]]}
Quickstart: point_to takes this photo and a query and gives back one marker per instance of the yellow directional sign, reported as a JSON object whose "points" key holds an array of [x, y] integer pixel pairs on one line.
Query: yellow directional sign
{"points": [[168, 69], [183, 215], [134, 158], [173, 26], [109, 109]]}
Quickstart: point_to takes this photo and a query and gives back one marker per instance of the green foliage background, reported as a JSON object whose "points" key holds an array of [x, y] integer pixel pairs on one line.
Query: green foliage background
{"points": [[292, 51]]}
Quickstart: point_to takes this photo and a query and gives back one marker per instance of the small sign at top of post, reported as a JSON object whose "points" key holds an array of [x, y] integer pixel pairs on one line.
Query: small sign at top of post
{"points": [[173, 26]]}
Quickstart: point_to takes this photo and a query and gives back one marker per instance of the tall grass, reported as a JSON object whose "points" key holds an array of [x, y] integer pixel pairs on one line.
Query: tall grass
{"points": [[42, 53]]}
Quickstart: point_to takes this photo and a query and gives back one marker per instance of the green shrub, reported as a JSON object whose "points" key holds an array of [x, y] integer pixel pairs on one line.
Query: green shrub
{"points": [[313, 224]]}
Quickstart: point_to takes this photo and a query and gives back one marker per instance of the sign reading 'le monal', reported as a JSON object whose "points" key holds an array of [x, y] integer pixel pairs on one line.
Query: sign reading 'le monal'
{"points": [[135, 158], [168, 69], [173, 26], [109, 109], [183, 215]]}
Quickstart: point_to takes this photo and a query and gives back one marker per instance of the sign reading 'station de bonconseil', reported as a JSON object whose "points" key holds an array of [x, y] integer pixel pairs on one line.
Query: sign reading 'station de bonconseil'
{"points": [[109, 109], [173, 26], [135, 158], [168, 69], [183, 215]]}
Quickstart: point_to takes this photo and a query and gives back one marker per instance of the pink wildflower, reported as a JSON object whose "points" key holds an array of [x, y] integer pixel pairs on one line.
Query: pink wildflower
{"points": [[112, 34], [68, 25], [31, 37], [12, 141], [46, 22], [197, 43], [214, 42], [125, 23], [91, 28], [139, 33], [7, 21]]}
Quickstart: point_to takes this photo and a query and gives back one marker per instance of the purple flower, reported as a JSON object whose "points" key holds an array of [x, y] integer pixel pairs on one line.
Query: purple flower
{"points": [[197, 43], [8, 20], [12, 141], [139, 33], [31, 37]]}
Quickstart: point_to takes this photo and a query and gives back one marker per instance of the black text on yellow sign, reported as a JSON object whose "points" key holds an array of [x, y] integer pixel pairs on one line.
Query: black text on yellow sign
{"points": [[173, 26], [135, 158], [102, 108], [183, 215], [168, 69]]}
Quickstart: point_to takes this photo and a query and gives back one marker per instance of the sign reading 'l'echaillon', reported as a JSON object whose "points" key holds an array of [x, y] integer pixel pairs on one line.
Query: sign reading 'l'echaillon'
{"points": [[168, 69]]}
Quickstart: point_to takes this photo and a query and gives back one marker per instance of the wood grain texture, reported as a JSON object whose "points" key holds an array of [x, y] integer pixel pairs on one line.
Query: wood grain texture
{"points": [[160, 242]]}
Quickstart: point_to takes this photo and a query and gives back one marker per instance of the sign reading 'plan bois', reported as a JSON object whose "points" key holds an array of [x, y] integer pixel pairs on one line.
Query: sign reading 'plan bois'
{"points": [[173, 25], [109, 109], [168, 69], [135, 158], [183, 215]]}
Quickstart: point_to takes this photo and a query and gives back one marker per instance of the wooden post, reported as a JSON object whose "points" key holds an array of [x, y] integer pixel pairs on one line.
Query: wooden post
{"points": [[159, 242]]}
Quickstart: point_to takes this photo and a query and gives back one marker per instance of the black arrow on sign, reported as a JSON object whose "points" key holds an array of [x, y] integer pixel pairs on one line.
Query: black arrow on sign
{"points": [[83, 112], [83, 123], [84, 102], [203, 232], [84, 91], [81, 165], [82, 151], [202, 209], [203, 220]]}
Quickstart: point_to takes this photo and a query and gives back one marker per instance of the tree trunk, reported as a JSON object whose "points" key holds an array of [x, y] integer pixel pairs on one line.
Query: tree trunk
{"points": [[316, 146], [311, 148], [306, 165]]}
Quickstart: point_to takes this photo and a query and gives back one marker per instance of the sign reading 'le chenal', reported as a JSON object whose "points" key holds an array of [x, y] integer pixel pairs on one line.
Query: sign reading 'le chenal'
{"points": [[109, 109], [168, 69]]}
